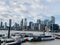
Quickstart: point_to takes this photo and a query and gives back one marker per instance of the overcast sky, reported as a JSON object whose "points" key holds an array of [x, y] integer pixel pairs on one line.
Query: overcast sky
{"points": [[30, 9]]}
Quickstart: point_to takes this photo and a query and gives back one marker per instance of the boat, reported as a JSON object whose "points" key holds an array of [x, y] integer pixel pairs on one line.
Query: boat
{"points": [[7, 40], [35, 39], [19, 37], [42, 38], [57, 36], [47, 38], [13, 43]]}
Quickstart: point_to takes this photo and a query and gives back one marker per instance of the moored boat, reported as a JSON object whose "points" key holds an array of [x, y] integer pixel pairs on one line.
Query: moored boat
{"points": [[47, 38], [57, 36], [42, 38]]}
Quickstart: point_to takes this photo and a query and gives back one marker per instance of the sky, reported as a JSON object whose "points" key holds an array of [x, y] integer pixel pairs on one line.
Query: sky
{"points": [[30, 9]]}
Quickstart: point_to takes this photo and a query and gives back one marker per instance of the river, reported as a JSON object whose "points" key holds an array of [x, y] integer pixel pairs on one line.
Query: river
{"points": [[53, 42]]}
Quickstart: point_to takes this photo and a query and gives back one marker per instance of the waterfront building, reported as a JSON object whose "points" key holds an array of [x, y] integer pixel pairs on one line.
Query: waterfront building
{"points": [[36, 26], [25, 24], [38, 21], [10, 22], [1, 25], [31, 25], [21, 24], [5, 26], [46, 21], [17, 27], [52, 20]]}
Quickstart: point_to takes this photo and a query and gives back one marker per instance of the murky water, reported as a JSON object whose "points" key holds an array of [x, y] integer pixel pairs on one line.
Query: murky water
{"points": [[54, 42]]}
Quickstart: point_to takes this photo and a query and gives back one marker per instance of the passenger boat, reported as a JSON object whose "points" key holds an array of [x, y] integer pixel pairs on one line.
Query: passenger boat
{"points": [[42, 38], [35, 38]]}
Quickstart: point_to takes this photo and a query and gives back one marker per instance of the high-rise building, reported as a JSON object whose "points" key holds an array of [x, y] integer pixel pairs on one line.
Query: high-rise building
{"points": [[1, 24], [25, 23], [5, 25], [52, 19], [46, 21], [10, 22], [22, 24], [36, 26], [31, 25], [38, 21], [17, 26]]}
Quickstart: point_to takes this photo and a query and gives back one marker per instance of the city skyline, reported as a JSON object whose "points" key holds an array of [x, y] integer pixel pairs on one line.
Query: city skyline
{"points": [[24, 21], [30, 9]]}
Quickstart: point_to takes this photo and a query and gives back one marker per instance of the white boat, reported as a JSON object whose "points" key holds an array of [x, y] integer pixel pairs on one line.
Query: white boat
{"points": [[46, 38], [12, 43], [7, 40]]}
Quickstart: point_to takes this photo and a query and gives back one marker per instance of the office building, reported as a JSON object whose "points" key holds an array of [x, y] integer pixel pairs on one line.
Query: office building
{"points": [[52, 20], [10, 22], [31, 25], [25, 23]]}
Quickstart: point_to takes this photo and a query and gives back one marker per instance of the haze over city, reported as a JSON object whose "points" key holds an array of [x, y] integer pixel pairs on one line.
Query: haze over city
{"points": [[30, 9]]}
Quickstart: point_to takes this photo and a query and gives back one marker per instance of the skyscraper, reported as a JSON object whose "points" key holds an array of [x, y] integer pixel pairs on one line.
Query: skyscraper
{"points": [[38, 24], [52, 19], [1, 24], [38, 21], [5, 25], [10, 22], [25, 23], [22, 24], [31, 25], [46, 21]]}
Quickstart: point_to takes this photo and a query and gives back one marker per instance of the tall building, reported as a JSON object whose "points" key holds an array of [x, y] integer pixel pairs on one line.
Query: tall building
{"points": [[1, 24], [38, 21], [52, 19], [10, 22], [46, 22], [31, 25], [17, 26], [36, 26], [25, 23], [22, 24], [5, 25]]}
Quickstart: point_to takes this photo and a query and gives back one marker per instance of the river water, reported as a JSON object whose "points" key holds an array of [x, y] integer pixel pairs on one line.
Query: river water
{"points": [[53, 42]]}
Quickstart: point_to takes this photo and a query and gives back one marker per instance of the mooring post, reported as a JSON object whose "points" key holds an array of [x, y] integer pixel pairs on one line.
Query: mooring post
{"points": [[0, 42]]}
